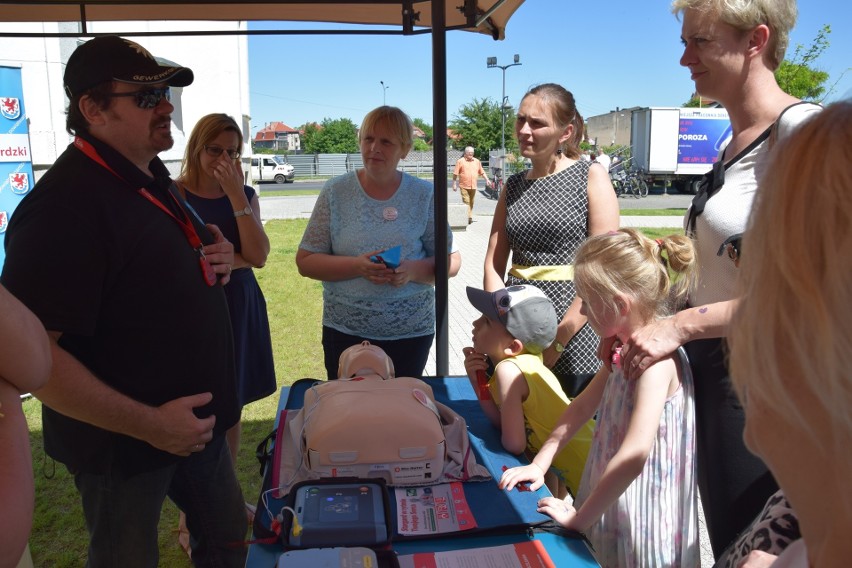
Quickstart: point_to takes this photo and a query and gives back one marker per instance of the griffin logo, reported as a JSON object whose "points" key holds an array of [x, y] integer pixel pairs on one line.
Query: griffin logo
{"points": [[20, 182], [10, 107]]}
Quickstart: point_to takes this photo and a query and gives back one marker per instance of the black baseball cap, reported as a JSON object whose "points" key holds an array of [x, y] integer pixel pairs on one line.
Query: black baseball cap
{"points": [[113, 58]]}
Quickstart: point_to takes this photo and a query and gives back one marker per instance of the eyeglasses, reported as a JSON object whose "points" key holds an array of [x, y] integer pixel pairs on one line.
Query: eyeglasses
{"points": [[149, 98], [216, 151]]}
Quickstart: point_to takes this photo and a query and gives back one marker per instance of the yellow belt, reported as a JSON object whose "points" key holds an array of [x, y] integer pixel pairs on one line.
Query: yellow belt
{"points": [[563, 272]]}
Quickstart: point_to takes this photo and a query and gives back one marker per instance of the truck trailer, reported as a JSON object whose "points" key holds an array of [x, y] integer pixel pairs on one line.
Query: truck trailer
{"points": [[677, 146]]}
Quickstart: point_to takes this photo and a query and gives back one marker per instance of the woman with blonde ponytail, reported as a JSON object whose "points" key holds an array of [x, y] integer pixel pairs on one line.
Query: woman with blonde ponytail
{"points": [[637, 502]]}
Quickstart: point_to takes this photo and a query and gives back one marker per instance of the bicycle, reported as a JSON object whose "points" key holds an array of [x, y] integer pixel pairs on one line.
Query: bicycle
{"points": [[638, 185], [619, 181], [629, 182]]}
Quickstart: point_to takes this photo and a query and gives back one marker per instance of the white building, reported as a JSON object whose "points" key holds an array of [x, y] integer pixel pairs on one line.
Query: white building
{"points": [[220, 65]]}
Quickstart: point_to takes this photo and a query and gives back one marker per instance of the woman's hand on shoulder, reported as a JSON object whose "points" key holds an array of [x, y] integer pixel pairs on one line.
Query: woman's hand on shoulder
{"points": [[648, 345]]}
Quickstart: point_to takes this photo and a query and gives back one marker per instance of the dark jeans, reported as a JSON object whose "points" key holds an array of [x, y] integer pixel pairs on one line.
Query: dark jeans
{"points": [[409, 356], [122, 514], [734, 483]]}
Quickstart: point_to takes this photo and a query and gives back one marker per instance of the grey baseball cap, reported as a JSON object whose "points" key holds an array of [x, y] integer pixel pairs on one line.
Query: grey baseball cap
{"points": [[526, 312]]}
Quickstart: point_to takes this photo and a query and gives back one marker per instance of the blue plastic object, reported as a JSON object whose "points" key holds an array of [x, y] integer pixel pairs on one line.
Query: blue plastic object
{"points": [[389, 257]]}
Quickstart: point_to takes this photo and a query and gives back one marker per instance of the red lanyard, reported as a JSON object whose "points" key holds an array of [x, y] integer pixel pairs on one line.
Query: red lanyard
{"points": [[185, 224]]}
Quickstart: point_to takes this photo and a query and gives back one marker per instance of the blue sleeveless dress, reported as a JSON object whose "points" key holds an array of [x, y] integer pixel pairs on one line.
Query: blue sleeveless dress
{"points": [[247, 306]]}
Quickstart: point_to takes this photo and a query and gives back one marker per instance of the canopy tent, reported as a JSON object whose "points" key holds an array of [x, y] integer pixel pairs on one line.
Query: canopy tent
{"points": [[399, 17], [410, 16]]}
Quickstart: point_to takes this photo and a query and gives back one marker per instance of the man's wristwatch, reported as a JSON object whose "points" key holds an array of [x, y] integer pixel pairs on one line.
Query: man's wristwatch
{"points": [[241, 212], [558, 347]]}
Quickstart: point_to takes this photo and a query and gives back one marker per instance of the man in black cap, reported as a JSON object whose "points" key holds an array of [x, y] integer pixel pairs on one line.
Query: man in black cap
{"points": [[128, 287]]}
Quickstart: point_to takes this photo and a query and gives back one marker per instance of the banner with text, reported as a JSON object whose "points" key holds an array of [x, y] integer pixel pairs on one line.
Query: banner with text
{"points": [[16, 166]]}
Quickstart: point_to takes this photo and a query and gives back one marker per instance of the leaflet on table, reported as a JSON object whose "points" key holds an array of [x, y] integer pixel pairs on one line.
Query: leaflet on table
{"points": [[520, 555], [433, 510]]}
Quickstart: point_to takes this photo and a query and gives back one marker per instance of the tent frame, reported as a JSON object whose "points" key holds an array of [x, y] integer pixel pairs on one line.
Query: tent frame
{"points": [[475, 20]]}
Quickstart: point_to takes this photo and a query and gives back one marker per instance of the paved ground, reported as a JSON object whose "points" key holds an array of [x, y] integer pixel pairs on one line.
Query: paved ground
{"points": [[472, 243]]}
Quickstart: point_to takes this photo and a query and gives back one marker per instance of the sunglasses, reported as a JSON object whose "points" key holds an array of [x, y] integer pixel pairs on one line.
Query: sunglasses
{"points": [[149, 98], [216, 151], [732, 246]]}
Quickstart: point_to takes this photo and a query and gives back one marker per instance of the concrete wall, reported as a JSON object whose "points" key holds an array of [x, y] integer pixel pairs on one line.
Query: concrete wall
{"points": [[220, 65], [610, 128]]}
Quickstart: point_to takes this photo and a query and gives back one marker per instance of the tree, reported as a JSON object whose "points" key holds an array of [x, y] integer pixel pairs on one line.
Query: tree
{"points": [[333, 136], [477, 124], [309, 131], [426, 128], [798, 76]]}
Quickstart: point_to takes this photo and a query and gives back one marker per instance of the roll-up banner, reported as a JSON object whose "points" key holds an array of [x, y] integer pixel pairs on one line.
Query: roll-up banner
{"points": [[16, 166]]}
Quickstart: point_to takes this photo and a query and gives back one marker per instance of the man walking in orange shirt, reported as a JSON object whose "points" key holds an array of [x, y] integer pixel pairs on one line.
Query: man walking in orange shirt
{"points": [[467, 172]]}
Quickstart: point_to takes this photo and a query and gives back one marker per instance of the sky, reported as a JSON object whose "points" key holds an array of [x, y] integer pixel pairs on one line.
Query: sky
{"points": [[621, 53]]}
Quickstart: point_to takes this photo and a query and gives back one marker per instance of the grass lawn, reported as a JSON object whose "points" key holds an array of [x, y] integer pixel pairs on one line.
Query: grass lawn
{"points": [[59, 537], [670, 212]]}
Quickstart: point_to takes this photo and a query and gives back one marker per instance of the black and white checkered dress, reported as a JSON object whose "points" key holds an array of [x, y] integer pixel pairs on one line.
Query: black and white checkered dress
{"points": [[546, 221]]}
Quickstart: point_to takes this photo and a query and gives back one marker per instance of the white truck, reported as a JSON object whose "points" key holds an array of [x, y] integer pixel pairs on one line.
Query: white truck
{"points": [[272, 169], [678, 145]]}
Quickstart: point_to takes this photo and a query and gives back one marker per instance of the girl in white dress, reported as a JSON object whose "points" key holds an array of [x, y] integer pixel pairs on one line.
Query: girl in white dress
{"points": [[637, 502]]}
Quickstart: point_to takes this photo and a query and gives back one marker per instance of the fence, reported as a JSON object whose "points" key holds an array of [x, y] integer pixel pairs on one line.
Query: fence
{"points": [[330, 165]]}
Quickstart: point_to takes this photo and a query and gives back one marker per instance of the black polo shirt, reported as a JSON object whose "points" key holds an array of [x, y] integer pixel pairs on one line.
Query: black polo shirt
{"points": [[117, 276]]}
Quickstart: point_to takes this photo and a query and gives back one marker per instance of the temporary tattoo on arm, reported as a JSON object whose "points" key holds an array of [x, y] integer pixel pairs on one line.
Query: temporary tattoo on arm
{"points": [[702, 310]]}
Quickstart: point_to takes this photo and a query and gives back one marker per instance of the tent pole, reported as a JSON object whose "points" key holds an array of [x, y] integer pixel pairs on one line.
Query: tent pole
{"points": [[439, 153]]}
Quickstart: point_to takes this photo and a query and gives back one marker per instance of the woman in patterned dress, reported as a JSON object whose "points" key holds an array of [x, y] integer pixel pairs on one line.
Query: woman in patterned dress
{"points": [[544, 215]]}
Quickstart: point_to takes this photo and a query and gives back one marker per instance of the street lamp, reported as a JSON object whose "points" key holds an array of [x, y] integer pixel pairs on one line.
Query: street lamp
{"points": [[491, 62], [384, 91]]}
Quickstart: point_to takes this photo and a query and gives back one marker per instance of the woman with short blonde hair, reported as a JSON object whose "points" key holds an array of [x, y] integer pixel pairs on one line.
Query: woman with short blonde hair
{"points": [[791, 338]]}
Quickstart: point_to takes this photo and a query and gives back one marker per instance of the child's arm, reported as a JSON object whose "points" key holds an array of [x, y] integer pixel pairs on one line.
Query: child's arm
{"points": [[652, 389], [513, 389], [474, 363], [578, 413]]}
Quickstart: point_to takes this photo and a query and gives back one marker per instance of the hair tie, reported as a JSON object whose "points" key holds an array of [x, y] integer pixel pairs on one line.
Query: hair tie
{"points": [[659, 242]]}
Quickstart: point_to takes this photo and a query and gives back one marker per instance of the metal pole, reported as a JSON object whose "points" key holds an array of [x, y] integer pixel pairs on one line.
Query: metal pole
{"points": [[492, 62], [503, 122], [439, 146]]}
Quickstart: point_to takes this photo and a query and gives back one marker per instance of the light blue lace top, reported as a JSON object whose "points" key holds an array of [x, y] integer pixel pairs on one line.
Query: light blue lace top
{"points": [[346, 221]]}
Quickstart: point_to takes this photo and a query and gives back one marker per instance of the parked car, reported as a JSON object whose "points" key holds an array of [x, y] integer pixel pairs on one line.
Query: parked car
{"points": [[272, 169]]}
